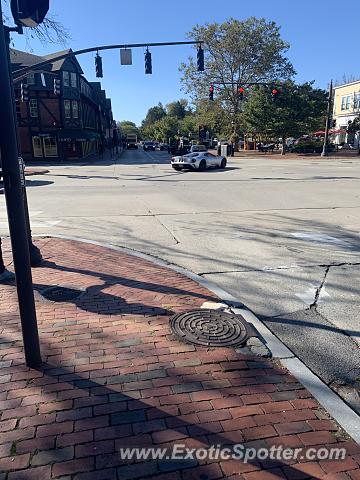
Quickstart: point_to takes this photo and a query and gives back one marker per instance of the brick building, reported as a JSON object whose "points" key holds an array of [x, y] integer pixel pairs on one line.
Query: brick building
{"points": [[71, 124]]}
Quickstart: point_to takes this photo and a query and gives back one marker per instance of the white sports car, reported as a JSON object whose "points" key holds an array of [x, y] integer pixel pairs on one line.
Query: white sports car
{"points": [[198, 161]]}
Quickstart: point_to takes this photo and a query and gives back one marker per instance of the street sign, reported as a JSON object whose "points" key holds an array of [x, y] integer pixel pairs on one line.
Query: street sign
{"points": [[126, 56], [29, 13], [22, 171]]}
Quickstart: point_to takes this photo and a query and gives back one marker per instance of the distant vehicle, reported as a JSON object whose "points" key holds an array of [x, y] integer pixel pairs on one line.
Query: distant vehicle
{"points": [[164, 146], [148, 146], [131, 140], [198, 161], [198, 148]]}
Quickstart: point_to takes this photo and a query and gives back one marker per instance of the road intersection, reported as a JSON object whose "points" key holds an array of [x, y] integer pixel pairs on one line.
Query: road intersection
{"points": [[280, 235]]}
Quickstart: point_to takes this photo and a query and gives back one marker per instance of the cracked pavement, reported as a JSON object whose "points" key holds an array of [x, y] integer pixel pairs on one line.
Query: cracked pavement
{"points": [[280, 235]]}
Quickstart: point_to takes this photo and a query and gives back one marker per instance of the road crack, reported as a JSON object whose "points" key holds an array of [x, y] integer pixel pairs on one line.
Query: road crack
{"points": [[167, 229], [313, 306]]}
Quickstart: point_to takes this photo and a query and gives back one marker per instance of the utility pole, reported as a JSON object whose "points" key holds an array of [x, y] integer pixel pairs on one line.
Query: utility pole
{"points": [[325, 152], [15, 207]]}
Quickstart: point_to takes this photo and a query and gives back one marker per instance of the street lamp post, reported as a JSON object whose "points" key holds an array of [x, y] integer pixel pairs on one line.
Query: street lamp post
{"points": [[15, 208], [325, 151], [232, 143]]}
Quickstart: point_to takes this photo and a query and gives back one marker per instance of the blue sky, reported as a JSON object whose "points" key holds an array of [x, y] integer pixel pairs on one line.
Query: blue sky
{"points": [[323, 38]]}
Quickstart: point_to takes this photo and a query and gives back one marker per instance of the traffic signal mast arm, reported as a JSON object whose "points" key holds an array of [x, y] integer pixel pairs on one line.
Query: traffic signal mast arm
{"points": [[18, 74]]}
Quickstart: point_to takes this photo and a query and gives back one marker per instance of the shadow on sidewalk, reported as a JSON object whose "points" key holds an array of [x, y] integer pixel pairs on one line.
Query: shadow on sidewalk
{"points": [[111, 280]]}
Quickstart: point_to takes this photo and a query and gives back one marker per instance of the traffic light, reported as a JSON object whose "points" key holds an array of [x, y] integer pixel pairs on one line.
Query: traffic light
{"points": [[211, 92], [274, 93], [57, 86], [148, 62], [200, 59], [29, 13], [98, 66], [333, 123], [241, 93], [24, 92]]}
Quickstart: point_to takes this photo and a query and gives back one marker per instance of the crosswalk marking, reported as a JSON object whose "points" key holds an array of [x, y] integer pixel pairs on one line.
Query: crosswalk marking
{"points": [[44, 223], [38, 223]]}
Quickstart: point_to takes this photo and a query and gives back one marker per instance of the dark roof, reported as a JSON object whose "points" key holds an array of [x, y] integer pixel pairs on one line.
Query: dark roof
{"points": [[23, 59], [59, 63]]}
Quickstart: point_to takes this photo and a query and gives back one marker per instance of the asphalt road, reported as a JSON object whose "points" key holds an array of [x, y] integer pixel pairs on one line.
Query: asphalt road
{"points": [[281, 235]]}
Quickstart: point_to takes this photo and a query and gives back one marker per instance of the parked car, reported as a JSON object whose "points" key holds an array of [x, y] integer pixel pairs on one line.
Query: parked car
{"points": [[198, 161], [164, 146], [148, 146], [198, 148]]}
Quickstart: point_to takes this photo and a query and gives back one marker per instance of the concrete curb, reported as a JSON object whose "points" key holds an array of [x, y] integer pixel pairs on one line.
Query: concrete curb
{"points": [[326, 397]]}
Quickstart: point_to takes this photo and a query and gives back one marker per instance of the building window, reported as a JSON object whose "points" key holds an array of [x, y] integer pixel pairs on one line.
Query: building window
{"points": [[345, 102], [30, 78], [73, 80], [33, 107], [36, 141], [50, 147], [66, 79], [67, 108], [75, 109], [357, 101]]}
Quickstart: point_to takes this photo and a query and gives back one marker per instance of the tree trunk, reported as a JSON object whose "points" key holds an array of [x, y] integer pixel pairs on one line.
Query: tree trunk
{"points": [[283, 146]]}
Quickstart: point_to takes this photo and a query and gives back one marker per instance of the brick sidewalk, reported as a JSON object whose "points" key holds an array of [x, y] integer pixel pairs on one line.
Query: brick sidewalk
{"points": [[113, 376]]}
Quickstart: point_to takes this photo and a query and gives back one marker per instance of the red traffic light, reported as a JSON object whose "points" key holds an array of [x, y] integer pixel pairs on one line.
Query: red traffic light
{"points": [[274, 91], [211, 89], [241, 90]]}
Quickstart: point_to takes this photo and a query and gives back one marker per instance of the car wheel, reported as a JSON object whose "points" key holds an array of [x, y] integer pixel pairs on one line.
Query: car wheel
{"points": [[176, 168], [202, 165], [223, 164]]}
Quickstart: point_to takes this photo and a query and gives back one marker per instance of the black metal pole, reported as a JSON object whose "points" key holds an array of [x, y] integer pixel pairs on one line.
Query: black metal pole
{"points": [[15, 208], [35, 254], [325, 152]]}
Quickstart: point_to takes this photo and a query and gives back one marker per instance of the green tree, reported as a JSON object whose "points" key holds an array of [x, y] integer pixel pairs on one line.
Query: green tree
{"points": [[177, 109], [237, 52], [297, 109], [153, 115], [189, 124], [166, 128], [127, 126]]}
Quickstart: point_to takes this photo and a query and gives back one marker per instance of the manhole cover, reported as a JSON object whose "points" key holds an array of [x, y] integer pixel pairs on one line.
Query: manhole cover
{"points": [[61, 294], [209, 327]]}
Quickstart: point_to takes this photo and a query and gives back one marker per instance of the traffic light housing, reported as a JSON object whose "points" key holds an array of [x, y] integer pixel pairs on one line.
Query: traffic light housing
{"points": [[148, 63], [98, 66], [57, 86], [241, 93], [274, 93], [24, 92], [211, 92], [200, 59], [29, 13]]}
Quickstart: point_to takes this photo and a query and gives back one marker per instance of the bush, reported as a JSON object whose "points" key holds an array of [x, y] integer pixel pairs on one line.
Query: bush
{"points": [[308, 145]]}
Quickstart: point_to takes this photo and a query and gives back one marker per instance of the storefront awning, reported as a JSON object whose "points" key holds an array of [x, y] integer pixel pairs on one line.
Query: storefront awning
{"points": [[68, 135]]}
